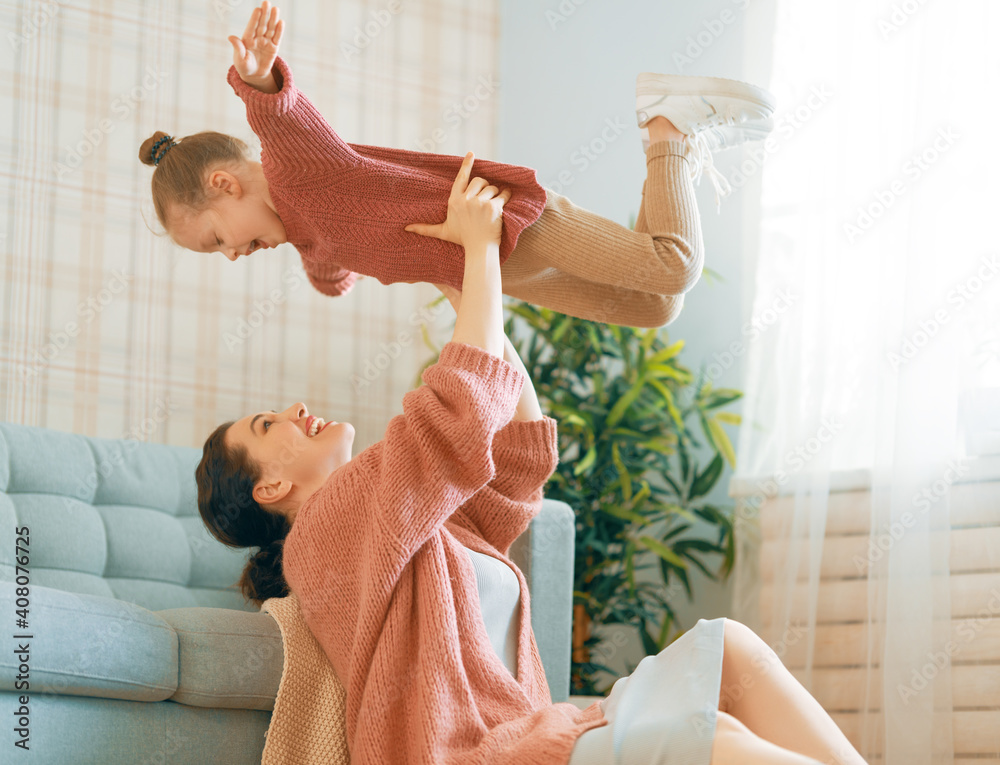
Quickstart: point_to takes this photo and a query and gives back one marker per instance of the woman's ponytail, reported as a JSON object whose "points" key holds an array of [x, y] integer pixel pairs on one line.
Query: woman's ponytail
{"points": [[262, 578]]}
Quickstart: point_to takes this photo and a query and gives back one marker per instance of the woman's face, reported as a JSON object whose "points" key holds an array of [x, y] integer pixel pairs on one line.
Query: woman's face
{"points": [[238, 220], [296, 452]]}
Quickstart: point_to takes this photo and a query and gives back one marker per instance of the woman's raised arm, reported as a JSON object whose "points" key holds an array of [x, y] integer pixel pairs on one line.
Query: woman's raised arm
{"points": [[475, 221]]}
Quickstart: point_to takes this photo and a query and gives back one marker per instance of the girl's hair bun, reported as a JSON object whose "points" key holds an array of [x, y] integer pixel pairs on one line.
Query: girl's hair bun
{"points": [[146, 150]]}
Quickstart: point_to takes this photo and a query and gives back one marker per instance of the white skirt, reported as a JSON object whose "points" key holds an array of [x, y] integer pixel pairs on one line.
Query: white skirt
{"points": [[664, 712]]}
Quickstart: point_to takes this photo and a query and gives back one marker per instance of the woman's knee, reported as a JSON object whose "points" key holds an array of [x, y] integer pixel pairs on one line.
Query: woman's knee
{"points": [[744, 652]]}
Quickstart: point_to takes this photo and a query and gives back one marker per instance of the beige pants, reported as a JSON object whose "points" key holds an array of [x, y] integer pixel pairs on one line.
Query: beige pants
{"points": [[578, 263]]}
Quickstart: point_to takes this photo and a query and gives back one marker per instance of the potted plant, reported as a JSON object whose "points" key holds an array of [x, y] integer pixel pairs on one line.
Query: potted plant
{"points": [[633, 422]]}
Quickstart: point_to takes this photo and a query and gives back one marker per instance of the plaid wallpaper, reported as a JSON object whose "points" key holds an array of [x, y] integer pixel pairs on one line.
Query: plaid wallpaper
{"points": [[109, 329]]}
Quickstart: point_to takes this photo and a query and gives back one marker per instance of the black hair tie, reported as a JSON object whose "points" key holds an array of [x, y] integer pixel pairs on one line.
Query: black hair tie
{"points": [[170, 143]]}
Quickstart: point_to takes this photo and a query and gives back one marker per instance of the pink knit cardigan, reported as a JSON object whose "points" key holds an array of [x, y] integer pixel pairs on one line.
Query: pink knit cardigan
{"points": [[345, 206], [376, 559]]}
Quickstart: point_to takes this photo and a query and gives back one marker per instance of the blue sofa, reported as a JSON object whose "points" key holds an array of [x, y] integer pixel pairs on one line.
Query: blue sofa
{"points": [[140, 650]]}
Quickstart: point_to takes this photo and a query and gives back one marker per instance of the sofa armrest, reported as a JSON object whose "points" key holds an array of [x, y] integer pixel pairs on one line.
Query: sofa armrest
{"points": [[545, 553], [90, 645], [227, 659]]}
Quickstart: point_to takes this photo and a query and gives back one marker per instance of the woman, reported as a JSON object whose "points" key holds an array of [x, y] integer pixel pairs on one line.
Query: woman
{"points": [[387, 553]]}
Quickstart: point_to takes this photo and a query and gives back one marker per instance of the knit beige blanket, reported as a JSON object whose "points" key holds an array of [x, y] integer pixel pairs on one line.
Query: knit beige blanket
{"points": [[308, 725]]}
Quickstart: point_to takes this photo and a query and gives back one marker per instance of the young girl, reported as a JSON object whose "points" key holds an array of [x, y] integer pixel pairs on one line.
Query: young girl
{"points": [[387, 551], [353, 209]]}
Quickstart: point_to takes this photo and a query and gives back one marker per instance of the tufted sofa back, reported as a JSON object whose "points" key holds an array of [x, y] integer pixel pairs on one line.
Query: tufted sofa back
{"points": [[112, 517]]}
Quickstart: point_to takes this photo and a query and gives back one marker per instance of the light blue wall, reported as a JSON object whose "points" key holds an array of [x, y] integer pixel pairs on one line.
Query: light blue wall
{"points": [[567, 74]]}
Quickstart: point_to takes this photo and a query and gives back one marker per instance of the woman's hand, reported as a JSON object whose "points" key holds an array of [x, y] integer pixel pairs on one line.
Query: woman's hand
{"points": [[254, 54], [475, 211], [474, 221]]}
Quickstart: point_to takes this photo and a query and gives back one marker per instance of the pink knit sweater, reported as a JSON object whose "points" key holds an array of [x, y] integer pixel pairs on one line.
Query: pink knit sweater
{"points": [[376, 558], [344, 206]]}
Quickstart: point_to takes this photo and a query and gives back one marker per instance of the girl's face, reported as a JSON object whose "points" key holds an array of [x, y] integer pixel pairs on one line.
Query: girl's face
{"points": [[296, 452], [239, 219]]}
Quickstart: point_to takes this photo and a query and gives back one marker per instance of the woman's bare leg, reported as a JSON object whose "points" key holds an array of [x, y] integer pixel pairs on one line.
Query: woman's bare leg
{"points": [[735, 744], [759, 691]]}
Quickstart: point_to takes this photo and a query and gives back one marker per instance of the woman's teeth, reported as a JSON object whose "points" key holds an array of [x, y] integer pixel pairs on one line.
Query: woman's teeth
{"points": [[316, 426]]}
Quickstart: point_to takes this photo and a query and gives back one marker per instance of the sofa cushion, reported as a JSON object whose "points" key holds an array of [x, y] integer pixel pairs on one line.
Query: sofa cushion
{"points": [[87, 645], [228, 659], [113, 517]]}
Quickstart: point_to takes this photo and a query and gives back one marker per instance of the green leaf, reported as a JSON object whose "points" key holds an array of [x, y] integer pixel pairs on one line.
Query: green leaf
{"points": [[674, 532], [661, 641], [630, 567], [704, 482], [722, 441], [662, 550], [720, 397], [667, 353], [660, 371], [595, 341], [588, 459], [648, 643], [730, 418], [668, 397], [622, 405], [560, 330], [660, 445], [623, 474], [623, 513]]}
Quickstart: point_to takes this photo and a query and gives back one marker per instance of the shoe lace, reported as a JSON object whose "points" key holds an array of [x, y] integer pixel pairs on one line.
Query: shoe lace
{"points": [[700, 155]]}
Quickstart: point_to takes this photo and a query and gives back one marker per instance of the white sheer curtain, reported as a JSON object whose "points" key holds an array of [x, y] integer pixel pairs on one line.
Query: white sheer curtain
{"points": [[871, 404]]}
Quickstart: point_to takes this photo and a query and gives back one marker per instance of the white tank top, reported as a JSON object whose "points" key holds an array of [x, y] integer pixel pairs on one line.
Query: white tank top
{"points": [[499, 596]]}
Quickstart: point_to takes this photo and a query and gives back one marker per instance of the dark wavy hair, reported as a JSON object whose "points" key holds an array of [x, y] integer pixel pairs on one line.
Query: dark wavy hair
{"points": [[226, 478]]}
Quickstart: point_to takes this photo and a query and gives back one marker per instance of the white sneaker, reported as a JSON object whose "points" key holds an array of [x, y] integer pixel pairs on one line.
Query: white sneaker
{"points": [[725, 137], [715, 113]]}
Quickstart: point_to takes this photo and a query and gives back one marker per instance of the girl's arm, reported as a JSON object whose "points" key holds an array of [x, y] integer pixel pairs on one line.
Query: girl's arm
{"points": [[293, 134], [254, 54]]}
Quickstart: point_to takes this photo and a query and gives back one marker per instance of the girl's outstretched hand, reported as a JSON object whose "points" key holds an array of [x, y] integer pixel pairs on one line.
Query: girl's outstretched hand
{"points": [[475, 211], [254, 54]]}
